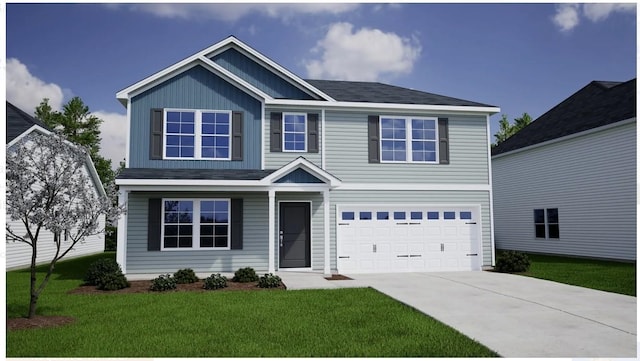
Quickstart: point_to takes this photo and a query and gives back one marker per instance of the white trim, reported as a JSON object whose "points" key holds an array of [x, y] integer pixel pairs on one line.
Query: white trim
{"points": [[272, 231], [263, 133], [189, 182], [323, 123], [34, 127], [197, 133], [298, 269], [300, 187], [568, 137], [128, 142], [491, 221], [408, 139], [307, 166], [306, 141], [121, 240], [195, 226], [232, 78], [326, 201], [413, 187]]}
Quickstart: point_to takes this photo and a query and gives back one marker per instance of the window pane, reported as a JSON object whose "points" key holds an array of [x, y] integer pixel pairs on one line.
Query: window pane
{"points": [[449, 215], [538, 215], [185, 242], [173, 151], [221, 241], [399, 215], [187, 117], [222, 153], [433, 215], [382, 215], [540, 231], [365, 215], [206, 230], [554, 231], [206, 242], [222, 230], [552, 215], [170, 242], [416, 215], [186, 152], [186, 230], [348, 216], [222, 129], [170, 230], [465, 215], [208, 129], [173, 127]]}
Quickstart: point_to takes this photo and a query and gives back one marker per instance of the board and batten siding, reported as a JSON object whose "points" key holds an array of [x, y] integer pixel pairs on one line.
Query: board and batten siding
{"points": [[591, 179], [196, 88], [258, 76], [275, 160], [362, 197], [254, 252]]}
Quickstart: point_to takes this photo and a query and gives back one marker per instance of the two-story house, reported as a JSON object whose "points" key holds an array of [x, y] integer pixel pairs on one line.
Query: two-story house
{"points": [[234, 161]]}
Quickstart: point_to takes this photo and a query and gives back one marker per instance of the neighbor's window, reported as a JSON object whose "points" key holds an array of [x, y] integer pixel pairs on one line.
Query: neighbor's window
{"points": [[546, 223], [197, 134], [196, 224], [295, 132], [408, 139]]}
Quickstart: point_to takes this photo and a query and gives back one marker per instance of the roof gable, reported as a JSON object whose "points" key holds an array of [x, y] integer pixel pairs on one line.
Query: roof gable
{"points": [[19, 122], [599, 103]]}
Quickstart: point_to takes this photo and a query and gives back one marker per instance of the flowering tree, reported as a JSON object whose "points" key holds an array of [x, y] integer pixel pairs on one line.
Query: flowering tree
{"points": [[49, 189]]}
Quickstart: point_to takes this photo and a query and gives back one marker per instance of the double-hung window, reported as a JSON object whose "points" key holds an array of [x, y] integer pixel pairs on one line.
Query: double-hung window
{"points": [[197, 134], [547, 224], [196, 224], [295, 132], [408, 139]]}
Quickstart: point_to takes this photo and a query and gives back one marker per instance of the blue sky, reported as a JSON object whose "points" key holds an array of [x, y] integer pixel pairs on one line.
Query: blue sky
{"points": [[520, 57]]}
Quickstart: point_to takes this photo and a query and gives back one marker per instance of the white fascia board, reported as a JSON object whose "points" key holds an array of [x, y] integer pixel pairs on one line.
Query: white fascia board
{"points": [[307, 187], [193, 188], [234, 79], [306, 165], [567, 137], [260, 58], [34, 128], [472, 110], [413, 187], [187, 182]]}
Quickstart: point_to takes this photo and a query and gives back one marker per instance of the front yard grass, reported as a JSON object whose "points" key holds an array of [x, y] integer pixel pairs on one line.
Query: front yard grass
{"points": [[610, 276], [330, 323]]}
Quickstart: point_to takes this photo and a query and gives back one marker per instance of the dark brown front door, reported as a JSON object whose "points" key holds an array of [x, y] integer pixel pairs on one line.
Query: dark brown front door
{"points": [[295, 235]]}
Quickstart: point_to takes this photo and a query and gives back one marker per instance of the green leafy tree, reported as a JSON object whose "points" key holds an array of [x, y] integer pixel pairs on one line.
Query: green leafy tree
{"points": [[507, 129], [78, 125]]}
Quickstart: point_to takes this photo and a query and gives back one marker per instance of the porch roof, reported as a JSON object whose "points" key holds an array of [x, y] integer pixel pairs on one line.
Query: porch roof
{"points": [[189, 174]]}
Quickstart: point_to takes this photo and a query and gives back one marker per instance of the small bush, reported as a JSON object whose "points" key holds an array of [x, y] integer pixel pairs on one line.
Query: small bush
{"points": [[269, 281], [98, 269], [112, 282], [185, 275], [163, 283], [512, 261], [214, 282], [246, 274]]}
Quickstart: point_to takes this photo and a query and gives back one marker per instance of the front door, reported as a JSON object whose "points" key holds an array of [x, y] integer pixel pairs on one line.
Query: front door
{"points": [[295, 235]]}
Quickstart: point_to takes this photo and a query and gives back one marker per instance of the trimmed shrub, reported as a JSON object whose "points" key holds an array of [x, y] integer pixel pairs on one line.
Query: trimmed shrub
{"points": [[112, 282], [98, 269], [269, 280], [163, 283], [185, 275], [246, 274], [215, 281], [512, 261]]}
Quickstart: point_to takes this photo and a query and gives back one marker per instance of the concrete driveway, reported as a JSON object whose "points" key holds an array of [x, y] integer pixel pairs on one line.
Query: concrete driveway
{"points": [[518, 316]]}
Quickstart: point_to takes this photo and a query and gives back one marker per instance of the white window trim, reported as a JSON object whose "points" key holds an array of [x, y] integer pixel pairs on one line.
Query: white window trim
{"points": [[306, 141], [547, 224], [409, 139], [197, 143], [195, 245]]}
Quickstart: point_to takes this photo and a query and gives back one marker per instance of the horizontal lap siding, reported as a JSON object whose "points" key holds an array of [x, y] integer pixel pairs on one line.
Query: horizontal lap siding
{"points": [[418, 198], [347, 157], [591, 180], [255, 243], [275, 160], [196, 88]]}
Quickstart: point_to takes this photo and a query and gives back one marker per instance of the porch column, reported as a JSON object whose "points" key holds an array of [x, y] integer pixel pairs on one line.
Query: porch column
{"points": [[327, 232], [272, 231], [121, 241]]}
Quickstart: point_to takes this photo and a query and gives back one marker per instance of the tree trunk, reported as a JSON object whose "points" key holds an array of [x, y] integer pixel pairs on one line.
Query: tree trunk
{"points": [[34, 296]]}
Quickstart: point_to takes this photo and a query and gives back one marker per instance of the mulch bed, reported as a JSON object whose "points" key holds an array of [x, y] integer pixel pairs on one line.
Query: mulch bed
{"points": [[337, 277], [38, 322]]}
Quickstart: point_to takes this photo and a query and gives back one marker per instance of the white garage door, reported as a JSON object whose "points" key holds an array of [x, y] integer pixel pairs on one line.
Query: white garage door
{"points": [[374, 239]]}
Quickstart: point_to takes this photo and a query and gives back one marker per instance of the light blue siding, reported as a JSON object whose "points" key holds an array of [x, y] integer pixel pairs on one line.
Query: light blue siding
{"points": [[196, 88], [258, 76], [299, 176], [275, 160]]}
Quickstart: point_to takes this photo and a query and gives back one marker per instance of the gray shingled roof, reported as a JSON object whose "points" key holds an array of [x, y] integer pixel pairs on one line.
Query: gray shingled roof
{"points": [[370, 92], [210, 174], [19, 122], [597, 104]]}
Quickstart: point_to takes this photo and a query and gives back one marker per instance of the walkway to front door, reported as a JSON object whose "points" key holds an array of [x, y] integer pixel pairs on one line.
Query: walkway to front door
{"points": [[295, 235]]}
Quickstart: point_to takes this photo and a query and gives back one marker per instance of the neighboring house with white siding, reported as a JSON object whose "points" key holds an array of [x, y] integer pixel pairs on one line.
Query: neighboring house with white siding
{"points": [[234, 161], [566, 183], [20, 126]]}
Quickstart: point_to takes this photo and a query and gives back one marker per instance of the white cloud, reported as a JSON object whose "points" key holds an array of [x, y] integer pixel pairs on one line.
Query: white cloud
{"points": [[113, 132], [232, 12], [366, 54], [568, 16], [27, 91]]}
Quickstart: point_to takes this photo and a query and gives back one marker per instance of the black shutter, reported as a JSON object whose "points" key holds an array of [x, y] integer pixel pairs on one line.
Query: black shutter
{"points": [[443, 141], [155, 140], [312, 133], [236, 136], [154, 224], [236, 223], [276, 132], [374, 139]]}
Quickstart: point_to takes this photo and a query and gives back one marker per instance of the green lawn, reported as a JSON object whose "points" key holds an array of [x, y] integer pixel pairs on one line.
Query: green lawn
{"points": [[608, 276], [331, 323]]}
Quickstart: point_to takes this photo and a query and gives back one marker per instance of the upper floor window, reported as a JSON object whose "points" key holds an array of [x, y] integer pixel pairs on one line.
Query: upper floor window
{"points": [[197, 134], [408, 139], [295, 132]]}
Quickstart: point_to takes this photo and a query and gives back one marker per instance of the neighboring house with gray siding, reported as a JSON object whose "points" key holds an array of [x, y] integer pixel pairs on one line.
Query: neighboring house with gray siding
{"points": [[20, 126], [566, 183], [234, 161]]}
